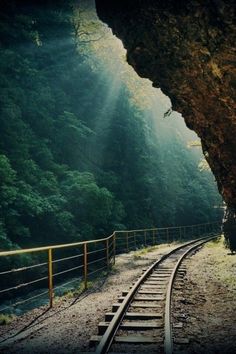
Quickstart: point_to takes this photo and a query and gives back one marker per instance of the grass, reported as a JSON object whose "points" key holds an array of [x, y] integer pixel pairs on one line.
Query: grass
{"points": [[5, 319], [114, 269], [224, 265], [144, 251], [81, 288], [215, 243], [69, 294]]}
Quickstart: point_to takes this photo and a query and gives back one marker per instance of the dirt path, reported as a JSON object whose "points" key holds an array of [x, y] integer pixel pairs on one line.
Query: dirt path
{"points": [[68, 327], [206, 302]]}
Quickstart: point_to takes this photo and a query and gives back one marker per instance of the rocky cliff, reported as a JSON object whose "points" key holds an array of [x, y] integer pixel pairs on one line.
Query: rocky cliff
{"points": [[187, 49]]}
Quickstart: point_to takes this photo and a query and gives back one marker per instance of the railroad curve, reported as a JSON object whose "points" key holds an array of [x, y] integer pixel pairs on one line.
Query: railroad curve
{"points": [[142, 315]]}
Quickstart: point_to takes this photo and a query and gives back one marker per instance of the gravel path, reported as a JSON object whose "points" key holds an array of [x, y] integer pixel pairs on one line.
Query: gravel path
{"points": [[68, 326], [204, 306]]}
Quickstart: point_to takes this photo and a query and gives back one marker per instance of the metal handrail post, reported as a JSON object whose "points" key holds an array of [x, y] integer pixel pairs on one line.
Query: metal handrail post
{"points": [[127, 241], [180, 234], [107, 254], [85, 266], [50, 277], [114, 248]]}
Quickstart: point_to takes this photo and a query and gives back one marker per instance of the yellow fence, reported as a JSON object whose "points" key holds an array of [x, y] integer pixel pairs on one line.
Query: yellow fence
{"points": [[28, 274]]}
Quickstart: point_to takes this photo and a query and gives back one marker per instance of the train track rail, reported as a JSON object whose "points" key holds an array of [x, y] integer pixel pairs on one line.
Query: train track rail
{"points": [[141, 321]]}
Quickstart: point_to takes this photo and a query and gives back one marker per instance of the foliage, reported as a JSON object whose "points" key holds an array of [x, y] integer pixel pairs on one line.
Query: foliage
{"points": [[79, 154], [5, 319]]}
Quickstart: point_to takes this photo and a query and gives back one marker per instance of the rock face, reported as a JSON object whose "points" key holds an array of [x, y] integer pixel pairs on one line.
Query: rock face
{"points": [[187, 49]]}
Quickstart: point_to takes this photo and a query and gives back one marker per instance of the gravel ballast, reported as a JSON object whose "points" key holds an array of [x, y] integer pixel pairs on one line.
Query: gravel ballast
{"points": [[205, 305]]}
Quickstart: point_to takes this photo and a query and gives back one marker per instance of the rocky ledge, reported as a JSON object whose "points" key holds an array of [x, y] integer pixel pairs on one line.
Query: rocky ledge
{"points": [[187, 48]]}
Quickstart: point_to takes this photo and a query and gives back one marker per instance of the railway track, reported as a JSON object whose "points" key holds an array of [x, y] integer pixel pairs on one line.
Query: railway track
{"points": [[141, 321]]}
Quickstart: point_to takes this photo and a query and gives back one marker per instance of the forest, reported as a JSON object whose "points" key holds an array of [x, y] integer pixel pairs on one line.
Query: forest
{"points": [[87, 147]]}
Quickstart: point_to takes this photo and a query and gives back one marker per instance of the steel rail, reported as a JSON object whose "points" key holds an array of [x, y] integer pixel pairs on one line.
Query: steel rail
{"points": [[170, 227], [67, 270], [53, 247], [14, 270], [117, 242], [107, 338], [23, 285], [24, 301], [168, 337], [66, 283], [97, 260], [114, 234], [67, 258], [96, 251], [97, 270]]}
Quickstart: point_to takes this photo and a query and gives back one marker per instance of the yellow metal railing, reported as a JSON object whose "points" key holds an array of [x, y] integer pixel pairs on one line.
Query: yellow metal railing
{"points": [[26, 271]]}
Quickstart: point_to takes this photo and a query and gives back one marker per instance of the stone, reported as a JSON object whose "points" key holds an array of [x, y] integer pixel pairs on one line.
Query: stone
{"points": [[187, 49]]}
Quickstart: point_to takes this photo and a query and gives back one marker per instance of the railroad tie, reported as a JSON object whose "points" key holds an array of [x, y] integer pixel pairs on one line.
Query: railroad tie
{"points": [[131, 326], [146, 292], [146, 306], [134, 339], [135, 316]]}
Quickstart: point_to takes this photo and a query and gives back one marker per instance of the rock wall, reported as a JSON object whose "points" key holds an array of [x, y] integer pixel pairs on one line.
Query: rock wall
{"points": [[187, 49]]}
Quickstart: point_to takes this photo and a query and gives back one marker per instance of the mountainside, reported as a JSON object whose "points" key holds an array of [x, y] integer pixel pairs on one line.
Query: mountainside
{"points": [[80, 153], [188, 49]]}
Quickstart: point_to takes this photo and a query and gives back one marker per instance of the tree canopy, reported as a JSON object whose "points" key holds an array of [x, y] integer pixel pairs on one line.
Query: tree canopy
{"points": [[81, 152]]}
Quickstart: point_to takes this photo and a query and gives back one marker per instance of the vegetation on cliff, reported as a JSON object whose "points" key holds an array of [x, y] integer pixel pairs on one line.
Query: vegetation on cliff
{"points": [[188, 49], [80, 154]]}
